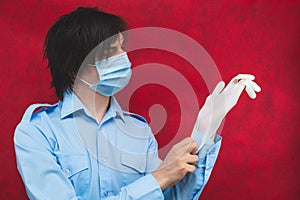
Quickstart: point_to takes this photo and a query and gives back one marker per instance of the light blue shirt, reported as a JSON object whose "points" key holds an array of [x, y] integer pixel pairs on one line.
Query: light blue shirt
{"points": [[64, 153]]}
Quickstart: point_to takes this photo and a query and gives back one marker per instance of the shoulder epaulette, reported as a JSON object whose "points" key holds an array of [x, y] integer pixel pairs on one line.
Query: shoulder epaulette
{"points": [[136, 116], [34, 108]]}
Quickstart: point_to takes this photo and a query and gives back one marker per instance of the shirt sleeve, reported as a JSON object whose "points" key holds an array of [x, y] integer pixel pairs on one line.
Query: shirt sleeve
{"points": [[144, 188], [191, 186], [42, 176]]}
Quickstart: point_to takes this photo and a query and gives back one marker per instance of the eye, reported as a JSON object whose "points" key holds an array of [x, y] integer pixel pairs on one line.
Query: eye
{"points": [[112, 50]]}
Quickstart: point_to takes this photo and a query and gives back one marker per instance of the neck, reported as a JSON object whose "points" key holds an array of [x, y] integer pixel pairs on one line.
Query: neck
{"points": [[96, 103]]}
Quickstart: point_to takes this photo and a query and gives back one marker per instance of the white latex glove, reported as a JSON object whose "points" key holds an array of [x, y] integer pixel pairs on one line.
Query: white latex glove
{"points": [[219, 103]]}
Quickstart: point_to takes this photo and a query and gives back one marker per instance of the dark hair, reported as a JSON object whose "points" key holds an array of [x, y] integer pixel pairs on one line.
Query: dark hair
{"points": [[72, 38]]}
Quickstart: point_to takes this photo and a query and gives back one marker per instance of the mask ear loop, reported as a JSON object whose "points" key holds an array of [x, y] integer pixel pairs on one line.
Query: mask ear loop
{"points": [[85, 81], [92, 65]]}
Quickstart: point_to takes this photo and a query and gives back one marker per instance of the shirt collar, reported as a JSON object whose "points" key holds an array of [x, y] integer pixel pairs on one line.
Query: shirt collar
{"points": [[114, 111], [71, 103], [115, 108]]}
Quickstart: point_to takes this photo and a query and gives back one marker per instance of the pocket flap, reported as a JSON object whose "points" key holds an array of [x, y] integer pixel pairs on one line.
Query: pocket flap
{"points": [[73, 164], [136, 162]]}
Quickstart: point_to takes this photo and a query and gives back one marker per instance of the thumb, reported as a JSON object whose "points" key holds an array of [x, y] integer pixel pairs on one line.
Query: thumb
{"points": [[218, 88]]}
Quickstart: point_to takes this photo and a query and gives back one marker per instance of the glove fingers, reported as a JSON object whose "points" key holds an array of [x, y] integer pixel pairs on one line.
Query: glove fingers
{"points": [[218, 88], [251, 93], [243, 76], [239, 78], [255, 87], [251, 84]]}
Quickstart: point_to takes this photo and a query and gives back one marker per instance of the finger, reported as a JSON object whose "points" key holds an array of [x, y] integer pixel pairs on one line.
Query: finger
{"points": [[192, 147], [251, 93], [255, 87], [189, 158], [218, 88], [243, 76], [184, 144], [190, 168], [192, 159]]}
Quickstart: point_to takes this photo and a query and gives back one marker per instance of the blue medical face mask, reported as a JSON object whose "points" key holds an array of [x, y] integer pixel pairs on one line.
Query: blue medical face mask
{"points": [[114, 74]]}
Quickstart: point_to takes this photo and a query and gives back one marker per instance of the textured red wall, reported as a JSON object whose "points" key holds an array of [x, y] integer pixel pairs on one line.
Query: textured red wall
{"points": [[258, 159]]}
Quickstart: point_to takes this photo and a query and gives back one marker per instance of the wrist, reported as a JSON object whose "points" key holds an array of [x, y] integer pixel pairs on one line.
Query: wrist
{"points": [[161, 179]]}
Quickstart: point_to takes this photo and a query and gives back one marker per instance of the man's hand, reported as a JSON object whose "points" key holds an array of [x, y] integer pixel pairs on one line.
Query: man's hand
{"points": [[178, 162]]}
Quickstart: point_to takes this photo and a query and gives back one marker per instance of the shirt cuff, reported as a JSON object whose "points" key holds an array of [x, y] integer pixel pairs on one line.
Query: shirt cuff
{"points": [[209, 148], [146, 188]]}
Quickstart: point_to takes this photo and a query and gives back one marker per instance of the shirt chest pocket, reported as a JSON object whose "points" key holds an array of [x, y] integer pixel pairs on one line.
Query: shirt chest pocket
{"points": [[76, 168], [133, 167]]}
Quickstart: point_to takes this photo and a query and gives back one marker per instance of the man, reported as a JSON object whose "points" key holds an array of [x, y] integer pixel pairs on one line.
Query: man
{"points": [[86, 146]]}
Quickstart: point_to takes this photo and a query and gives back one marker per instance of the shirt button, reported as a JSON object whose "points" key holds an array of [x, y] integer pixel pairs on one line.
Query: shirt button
{"points": [[102, 159], [212, 151], [118, 115], [105, 193], [67, 171]]}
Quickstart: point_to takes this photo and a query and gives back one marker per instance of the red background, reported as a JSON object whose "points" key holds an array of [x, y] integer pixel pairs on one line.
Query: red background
{"points": [[258, 158]]}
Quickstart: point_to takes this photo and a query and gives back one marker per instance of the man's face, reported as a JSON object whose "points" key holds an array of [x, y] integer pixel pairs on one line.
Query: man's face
{"points": [[116, 47]]}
